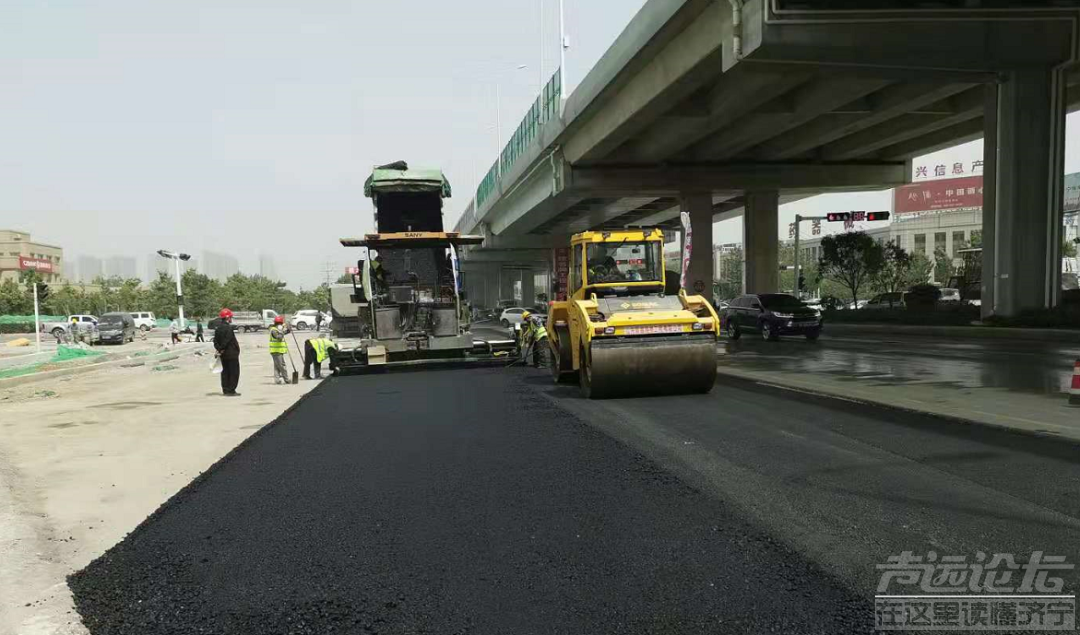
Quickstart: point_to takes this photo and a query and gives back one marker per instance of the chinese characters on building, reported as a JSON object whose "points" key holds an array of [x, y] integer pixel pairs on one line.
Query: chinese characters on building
{"points": [[940, 170]]}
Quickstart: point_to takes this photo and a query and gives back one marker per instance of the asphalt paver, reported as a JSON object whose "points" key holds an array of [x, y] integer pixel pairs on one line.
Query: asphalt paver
{"points": [[451, 502]]}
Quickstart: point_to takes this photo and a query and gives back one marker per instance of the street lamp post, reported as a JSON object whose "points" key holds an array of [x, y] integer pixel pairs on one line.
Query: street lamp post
{"points": [[176, 258]]}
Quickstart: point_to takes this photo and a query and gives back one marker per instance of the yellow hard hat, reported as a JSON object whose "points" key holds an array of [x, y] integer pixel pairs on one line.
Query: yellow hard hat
{"points": [[525, 314]]}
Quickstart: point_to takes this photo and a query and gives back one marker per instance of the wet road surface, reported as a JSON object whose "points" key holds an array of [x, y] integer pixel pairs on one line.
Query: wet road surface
{"points": [[499, 503], [1031, 367]]}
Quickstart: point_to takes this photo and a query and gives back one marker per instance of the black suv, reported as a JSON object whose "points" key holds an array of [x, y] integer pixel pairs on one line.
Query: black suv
{"points": [[773, 315]]}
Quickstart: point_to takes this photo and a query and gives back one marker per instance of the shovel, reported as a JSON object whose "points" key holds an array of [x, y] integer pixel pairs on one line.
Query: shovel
{"points": [[295, 375]]}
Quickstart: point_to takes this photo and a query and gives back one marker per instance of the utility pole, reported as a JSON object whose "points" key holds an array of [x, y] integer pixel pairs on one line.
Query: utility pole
{"points": [[799, 219], [37, 320]]}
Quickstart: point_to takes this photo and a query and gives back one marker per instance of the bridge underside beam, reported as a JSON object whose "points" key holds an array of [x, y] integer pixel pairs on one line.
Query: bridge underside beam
{"points": [[669, 181]]}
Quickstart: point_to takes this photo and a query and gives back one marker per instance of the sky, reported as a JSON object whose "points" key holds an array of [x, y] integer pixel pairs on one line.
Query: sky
{"points": [[249, 127]]}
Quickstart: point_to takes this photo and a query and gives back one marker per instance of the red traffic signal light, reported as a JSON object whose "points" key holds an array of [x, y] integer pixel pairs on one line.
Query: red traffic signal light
{"points": [[837, 216], [877, 216]]}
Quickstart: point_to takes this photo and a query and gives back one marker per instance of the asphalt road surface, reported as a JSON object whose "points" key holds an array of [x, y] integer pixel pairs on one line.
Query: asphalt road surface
{"points": [[1028, 366], [490, 501]]}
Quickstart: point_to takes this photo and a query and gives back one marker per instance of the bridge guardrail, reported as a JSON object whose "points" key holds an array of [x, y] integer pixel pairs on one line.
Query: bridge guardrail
{"points": [[544, 109]]}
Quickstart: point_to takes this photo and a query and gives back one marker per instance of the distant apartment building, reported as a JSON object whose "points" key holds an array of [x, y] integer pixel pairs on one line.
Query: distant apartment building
{"points": [[18, 253], [219, 266], [267, 267], [88, 269], [123, 267]]}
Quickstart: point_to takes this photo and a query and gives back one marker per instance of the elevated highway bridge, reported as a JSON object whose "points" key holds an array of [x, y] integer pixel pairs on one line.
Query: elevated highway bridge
{"points": [[733, 107]]}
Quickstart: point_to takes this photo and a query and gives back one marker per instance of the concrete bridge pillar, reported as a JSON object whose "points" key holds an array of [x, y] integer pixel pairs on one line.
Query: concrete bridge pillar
{"points": [[761, 266], [1022, 229], [699, 278], [528, 288]]}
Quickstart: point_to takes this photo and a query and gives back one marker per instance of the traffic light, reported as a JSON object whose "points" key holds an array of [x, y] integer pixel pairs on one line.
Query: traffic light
{"points": [[833, 217], [877, 216], [42, 292]]}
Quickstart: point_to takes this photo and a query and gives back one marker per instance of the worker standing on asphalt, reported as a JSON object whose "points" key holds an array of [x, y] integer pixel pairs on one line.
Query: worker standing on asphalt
{"points": [[228, 350], [318, 321], [316, 350], [174, 331], [534, 335], [279, 348], [198, 330]]}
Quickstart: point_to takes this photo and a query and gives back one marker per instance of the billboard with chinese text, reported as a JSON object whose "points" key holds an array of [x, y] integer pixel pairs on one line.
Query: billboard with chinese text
{"points": [[35, 264], [934, 196]]}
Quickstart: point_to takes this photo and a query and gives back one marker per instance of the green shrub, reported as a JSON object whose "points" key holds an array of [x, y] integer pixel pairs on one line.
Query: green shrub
{"points": [[922, 297], [947, 314], [17, 327], [1062, 317]]}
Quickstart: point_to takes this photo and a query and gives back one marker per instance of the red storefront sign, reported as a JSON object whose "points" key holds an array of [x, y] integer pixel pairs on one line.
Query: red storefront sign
{"points": [[561, 258], [943, 194], [35, 264]]}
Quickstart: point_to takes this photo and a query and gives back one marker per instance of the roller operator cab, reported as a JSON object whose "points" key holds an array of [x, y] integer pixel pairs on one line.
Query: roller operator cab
{"points": [[623, 331]]}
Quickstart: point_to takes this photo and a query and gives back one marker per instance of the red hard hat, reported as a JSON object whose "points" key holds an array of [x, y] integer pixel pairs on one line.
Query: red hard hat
{"points": [[279, 320], [225, 313]]}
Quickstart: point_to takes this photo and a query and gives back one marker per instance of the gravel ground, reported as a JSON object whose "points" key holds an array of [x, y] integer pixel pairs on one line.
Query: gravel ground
{"points": [[450, 502]]}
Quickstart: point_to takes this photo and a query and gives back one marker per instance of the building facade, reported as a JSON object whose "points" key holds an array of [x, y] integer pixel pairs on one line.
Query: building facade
{"points": [[219, 266], [120, 267], [18, 253], [944, 216], [88, 269]]}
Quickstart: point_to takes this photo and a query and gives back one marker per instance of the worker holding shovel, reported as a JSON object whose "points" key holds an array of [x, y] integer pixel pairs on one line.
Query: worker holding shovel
{"points": [[279, 348]]}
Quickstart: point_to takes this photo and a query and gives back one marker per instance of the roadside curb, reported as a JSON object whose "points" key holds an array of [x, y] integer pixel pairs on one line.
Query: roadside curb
{"points": [[977, 332], [11, 382], [823, 394]]}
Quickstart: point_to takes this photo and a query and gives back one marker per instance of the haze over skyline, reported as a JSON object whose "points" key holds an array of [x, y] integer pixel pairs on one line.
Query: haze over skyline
{"points": [[249, 129]]}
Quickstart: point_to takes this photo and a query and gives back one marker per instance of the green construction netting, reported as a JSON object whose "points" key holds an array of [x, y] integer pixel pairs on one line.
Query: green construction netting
{"points": [[64, 353], [18, 319]]}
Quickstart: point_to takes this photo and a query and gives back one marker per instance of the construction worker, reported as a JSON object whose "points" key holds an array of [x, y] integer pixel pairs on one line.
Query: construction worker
{"points": [[535, 337], [279, 348], [228, 350], [316, 350], [378, 274]]}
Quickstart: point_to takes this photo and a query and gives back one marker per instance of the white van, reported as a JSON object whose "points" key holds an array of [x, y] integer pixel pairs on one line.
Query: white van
{"points": [[144, 320]]}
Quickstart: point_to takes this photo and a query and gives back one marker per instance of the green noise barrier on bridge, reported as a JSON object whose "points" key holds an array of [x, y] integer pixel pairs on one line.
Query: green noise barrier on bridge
{"points": [[544, 109]]}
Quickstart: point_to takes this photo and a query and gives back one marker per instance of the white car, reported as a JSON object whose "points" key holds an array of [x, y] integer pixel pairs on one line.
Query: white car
{"points": [[144, 320], [949, 295], [305, 319], [511, 316]]}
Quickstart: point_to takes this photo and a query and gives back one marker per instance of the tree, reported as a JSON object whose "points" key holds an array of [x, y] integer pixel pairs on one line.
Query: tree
{"points": [[896, 270], [944, 269], [921, 269], [1068, 248], [729, 282], [13, 300], [852, 259], [344, 279], [161, 297]]}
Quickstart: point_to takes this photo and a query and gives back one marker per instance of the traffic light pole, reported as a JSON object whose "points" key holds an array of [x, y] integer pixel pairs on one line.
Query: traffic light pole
{"points": [[798, 272], [37, 320]]}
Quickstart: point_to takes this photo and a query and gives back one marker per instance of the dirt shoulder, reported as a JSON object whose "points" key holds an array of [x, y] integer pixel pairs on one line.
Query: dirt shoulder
{"points": [[85, 458]]}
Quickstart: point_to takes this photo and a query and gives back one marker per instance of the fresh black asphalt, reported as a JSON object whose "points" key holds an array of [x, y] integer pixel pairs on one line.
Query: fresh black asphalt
{"points": [[452, 502]]}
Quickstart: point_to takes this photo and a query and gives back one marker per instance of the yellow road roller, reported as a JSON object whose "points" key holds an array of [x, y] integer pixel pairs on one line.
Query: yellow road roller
{"points": [[623, 329]]}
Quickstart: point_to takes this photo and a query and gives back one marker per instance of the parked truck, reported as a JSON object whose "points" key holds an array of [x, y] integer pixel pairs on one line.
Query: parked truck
{"points": [[405, 306]]}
